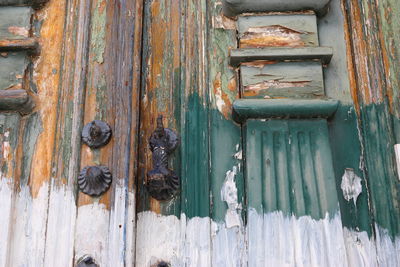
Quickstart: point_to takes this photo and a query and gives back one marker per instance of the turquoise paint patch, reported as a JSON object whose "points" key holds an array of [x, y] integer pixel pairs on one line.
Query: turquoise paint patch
{"points": [[289, 168], [346, 153], [380, 167]]}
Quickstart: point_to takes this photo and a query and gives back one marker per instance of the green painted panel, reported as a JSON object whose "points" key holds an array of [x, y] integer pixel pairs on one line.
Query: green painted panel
{"points": [[12, 69], [15, 22], [384, 185], [346, 152], [289, 167], [264, 30], [282, 79]]}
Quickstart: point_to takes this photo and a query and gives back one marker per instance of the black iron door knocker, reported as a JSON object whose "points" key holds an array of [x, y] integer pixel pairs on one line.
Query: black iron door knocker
{"points": [[162, 182]]}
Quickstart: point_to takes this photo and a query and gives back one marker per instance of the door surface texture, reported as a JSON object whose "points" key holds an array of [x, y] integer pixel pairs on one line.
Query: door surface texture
{"points": [[223, 133]]}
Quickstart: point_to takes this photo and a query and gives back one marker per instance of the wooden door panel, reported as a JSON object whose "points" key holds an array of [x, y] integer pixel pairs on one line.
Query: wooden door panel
{"points": [[88, 68]]}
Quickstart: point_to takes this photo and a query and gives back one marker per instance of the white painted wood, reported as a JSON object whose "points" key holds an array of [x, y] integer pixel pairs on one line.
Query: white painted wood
{"points": [[108, 236], [27, 240], [130, 230], [91, 235], [121, 228], [181, 242], [6, 207], [228, 246], [360, 250], [381, 251], [397, 153], [279, 240], [388, 250], [60, 227]]}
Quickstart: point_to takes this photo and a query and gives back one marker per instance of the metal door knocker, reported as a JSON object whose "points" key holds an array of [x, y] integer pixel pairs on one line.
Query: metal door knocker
{"points": [[162, 183]]}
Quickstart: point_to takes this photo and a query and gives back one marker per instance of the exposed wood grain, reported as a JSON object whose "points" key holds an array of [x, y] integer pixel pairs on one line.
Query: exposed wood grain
{"points": [[162, 81], [111, 95]]}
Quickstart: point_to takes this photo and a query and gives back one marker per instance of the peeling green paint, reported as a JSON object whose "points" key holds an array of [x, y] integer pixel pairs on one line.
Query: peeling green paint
{"points": [[101, 98], [15, 22], [98, 34], [32, 130], [346, 151], [384, 185], [9, 128], [225, 135]]}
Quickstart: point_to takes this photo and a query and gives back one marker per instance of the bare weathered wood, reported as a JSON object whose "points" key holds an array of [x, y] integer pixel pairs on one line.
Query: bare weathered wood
{"points": [[15, 100], [30, 44]]}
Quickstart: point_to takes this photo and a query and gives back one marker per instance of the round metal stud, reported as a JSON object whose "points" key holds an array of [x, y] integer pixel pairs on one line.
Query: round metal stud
{"points": [[86, 261], [94, 180], [96, 134]]}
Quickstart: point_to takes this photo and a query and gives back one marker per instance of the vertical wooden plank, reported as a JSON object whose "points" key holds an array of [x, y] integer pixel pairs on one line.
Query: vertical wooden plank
{"points": [[175, 85], [374, 59], [111, 95], [36, 143], [9, 127], [162, 79], [62, 204], [226, 151]]}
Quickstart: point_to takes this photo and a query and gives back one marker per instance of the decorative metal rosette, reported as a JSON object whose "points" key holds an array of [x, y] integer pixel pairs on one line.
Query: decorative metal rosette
{"points": [[96, 134], [94, 180]]}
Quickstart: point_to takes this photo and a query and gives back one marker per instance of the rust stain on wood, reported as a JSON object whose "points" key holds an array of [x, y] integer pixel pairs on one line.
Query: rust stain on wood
{"points": [[350, 63], [274, 35], [224, 103]]}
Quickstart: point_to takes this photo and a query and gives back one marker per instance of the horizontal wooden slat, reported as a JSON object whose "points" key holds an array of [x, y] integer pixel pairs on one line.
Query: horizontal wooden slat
{"points": [[232, 8], [30, 44], [244, 109], [22, 2], [15, 100], [280, 53]]}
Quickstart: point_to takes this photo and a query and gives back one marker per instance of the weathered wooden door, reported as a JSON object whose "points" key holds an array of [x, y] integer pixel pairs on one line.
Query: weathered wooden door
{"points": [[286, 113]]}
